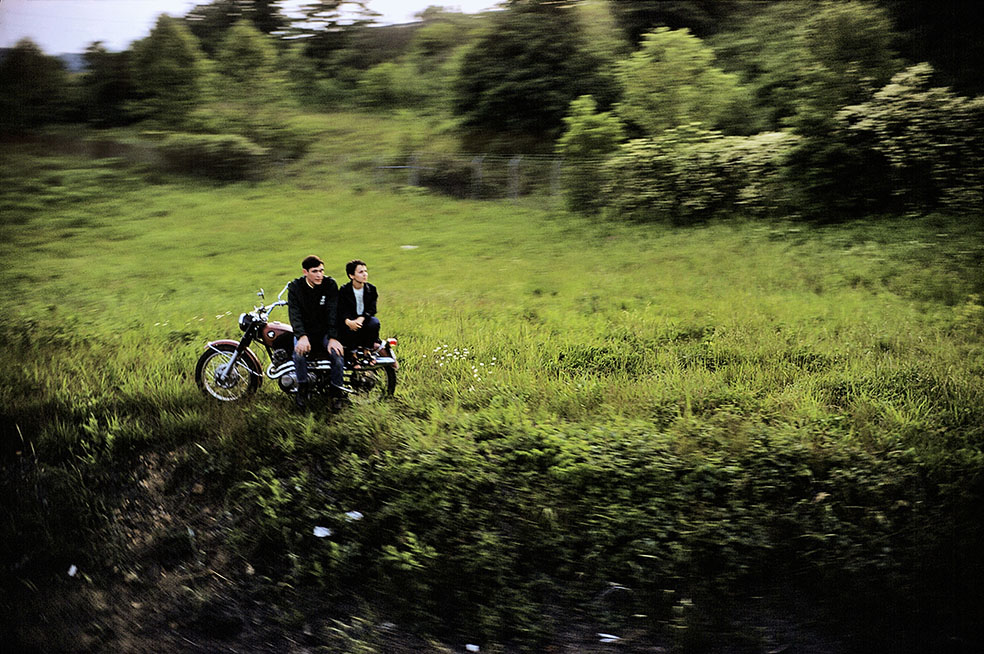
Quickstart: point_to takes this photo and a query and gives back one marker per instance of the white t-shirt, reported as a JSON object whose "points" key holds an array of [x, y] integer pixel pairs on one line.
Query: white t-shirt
{"points": [[359, 304]]}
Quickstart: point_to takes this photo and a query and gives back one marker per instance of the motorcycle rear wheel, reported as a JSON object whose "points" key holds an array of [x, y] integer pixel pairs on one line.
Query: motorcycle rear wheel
{"points": [[372, 385], [243, 382]]}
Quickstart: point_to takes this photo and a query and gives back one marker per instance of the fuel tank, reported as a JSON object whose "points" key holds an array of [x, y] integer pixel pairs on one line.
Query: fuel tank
{"points": [[278, 334]]}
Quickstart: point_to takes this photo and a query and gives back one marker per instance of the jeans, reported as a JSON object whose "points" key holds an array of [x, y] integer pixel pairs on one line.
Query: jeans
{"points": [[301, 368]]}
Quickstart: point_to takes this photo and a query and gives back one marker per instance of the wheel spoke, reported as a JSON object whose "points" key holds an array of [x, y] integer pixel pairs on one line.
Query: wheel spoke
{"points": [[217, 380]]}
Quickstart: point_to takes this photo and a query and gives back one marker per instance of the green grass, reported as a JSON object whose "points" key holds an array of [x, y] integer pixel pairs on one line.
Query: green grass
{"points": [[580, 403], [588, 323]]}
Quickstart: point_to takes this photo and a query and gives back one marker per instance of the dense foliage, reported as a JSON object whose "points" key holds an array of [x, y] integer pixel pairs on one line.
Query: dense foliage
{"points": [[910, 147], [505, 83]]}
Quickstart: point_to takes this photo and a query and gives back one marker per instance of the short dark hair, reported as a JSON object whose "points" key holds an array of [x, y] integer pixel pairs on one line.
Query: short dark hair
{"points": [[311, 261], [353, 264]]}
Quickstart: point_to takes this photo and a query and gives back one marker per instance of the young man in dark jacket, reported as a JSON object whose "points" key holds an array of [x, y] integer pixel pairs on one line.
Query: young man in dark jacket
{"points": [[358, 325], [312, 301]]}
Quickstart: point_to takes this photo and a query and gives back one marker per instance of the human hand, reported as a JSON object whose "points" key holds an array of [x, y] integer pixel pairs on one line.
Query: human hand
{"points": [[303, 345], [335, 347]]}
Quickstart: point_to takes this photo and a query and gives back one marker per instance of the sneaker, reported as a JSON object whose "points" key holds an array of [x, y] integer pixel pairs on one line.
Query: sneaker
{"points": [[300, 397], [363, 357], [340, 391]]}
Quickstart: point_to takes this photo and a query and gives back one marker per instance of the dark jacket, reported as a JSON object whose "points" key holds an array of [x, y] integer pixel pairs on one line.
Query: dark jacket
{"points": [[312, 310], [346, 303]]}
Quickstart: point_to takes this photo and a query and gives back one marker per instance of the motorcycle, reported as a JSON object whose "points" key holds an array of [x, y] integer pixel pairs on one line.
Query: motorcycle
{"points": [[229, 371]]}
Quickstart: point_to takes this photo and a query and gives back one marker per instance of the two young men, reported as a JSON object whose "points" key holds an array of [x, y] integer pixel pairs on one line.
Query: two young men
{"points": [[326, 317]]}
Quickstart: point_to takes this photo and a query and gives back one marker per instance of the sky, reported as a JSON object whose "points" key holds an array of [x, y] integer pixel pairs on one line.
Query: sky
{"points": [[60, 26]]}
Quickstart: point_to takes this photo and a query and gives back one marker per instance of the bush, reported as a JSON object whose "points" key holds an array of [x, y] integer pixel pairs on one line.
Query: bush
{"points": [[390, 85], [219, 156], [689, 174], [590, 137], [930, 138], [912, 147], [834, 173], [451, 176], [269, 128]]}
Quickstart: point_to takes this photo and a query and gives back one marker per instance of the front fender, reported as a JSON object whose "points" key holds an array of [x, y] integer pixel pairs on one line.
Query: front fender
{"points": [[248, 353]]}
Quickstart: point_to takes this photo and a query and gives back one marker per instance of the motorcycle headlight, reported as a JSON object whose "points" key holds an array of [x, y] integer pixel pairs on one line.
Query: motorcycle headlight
{"points": [[245, 320]]}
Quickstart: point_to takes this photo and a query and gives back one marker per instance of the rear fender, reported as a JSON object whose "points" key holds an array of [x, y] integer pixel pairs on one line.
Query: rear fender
{"points": [[248, 353]]}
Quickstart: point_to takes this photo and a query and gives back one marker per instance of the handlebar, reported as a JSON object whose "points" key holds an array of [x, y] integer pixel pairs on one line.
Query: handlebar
{"points": [[263, 309], [267, 309]]}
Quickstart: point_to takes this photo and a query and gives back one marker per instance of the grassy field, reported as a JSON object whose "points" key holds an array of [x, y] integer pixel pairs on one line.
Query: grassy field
{"points": [[599, 427]]}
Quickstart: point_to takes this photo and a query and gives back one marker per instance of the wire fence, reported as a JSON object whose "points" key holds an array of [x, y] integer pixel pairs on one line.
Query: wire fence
{"points": [[477, 176], [461, 175]]}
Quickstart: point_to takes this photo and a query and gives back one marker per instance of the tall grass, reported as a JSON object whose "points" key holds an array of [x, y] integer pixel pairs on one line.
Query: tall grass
{"points": [[580, 403]]}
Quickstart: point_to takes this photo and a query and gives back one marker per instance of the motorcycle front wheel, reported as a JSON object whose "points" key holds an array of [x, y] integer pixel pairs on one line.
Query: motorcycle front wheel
{"points": [[239, 384]]}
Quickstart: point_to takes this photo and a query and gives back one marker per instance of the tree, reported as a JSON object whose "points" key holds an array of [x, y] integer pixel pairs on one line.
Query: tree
{"points": [[433, 43], [590, 137], [170, 72], [424, 76], [763, 48], [944, 33], [701, 17], [801, 58], [520, 77], [603, 35], [107, 86], [671, 80], [247, 65], [848, 50], [251, 99], [210, 22], [326, 24], [34, 88]]}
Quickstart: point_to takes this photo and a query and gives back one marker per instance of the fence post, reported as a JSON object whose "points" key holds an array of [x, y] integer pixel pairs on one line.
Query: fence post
{"points": [[477, 176], [514, 176], [413, 177], [555, 176]]}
